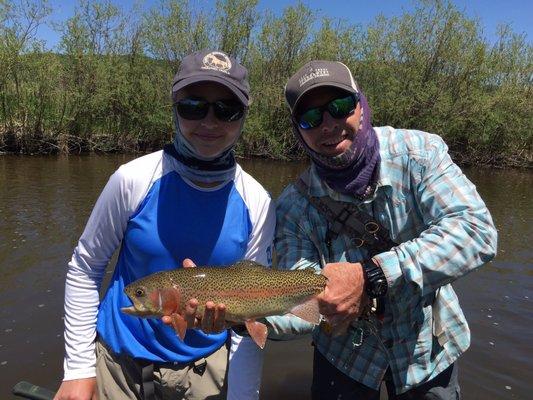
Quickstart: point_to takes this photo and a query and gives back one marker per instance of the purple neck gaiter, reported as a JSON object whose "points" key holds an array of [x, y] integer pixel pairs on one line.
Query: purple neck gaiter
{"points": [[356, 170]]}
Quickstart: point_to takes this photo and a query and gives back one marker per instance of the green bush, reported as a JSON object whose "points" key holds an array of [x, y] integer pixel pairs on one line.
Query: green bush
{"points": [[106, 87]]}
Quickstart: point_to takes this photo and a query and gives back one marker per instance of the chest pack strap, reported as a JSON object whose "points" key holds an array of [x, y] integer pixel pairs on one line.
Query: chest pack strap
{"points": [[348, 219]]}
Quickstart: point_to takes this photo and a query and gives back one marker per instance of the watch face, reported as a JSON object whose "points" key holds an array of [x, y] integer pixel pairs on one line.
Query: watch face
{"points": [[380, 287]]}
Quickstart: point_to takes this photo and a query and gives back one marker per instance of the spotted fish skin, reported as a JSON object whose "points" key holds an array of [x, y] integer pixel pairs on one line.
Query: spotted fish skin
{"points": [[248, 289]]}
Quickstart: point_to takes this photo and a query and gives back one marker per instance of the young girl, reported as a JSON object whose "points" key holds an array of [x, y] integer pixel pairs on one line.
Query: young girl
{"points": [[190, 200]]}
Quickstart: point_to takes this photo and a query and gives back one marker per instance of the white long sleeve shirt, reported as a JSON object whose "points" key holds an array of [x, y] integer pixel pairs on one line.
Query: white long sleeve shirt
{"points": [[159, 218]]}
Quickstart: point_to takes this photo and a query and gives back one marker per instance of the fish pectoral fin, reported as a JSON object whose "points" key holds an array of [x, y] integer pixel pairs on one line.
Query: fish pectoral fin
{"points": [[257, 331], [307, 311], [179, 324]]}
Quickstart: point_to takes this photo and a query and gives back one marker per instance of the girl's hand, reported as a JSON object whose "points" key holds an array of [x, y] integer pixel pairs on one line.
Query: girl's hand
{"points": [[77, 389], [213, 320]]}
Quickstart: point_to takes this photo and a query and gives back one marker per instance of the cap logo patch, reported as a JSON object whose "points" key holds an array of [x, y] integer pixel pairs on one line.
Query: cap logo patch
{"points": [[217, 61], [313, 74]]}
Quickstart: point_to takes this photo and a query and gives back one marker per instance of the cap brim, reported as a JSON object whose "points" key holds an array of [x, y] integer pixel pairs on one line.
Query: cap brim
{"points": [[209, 78], [322, 84]]}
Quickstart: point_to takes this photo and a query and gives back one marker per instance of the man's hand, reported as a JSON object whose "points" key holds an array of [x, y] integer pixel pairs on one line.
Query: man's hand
{"points": [[77, 389], [213, 320], [344, 298]]}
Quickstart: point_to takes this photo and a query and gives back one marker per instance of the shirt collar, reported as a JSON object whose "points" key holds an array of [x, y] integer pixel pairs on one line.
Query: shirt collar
{"points": [[318, 188]]}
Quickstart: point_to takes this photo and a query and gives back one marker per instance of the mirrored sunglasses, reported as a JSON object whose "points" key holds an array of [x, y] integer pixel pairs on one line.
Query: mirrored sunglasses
{"points": [[340, 107]]}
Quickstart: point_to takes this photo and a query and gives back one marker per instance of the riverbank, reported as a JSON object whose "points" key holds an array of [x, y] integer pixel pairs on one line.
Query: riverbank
{"points": [[464, 156]]}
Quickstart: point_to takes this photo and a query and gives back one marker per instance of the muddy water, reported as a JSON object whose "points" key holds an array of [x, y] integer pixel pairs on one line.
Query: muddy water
{"points": [[45, 201]]}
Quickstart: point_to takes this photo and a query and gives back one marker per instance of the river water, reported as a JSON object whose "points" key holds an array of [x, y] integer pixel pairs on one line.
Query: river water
{"points": [[45, 201]]}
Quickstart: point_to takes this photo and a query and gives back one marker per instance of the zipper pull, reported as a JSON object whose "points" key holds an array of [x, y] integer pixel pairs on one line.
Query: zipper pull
{"points": [[357, 337], [356, 341]]}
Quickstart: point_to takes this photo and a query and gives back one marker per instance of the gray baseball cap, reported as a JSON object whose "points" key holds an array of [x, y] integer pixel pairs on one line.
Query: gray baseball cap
{"points": [[315, 74], [213, 66]]}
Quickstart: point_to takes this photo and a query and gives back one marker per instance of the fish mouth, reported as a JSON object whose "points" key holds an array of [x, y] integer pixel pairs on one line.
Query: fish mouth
{"points": [[141, 312]]}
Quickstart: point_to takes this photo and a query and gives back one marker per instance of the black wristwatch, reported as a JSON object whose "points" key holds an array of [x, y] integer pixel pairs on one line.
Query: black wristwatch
{"points": [[376, 283]]}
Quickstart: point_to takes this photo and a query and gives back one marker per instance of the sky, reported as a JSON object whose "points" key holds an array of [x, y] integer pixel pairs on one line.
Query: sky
{"points": [[491, 13]]}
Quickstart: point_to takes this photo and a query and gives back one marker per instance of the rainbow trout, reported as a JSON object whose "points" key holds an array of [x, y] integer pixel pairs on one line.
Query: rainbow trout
{"points": [[248, 289]]}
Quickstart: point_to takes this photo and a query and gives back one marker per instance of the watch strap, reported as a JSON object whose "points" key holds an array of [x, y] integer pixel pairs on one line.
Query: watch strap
{"points": [[374, 276]]}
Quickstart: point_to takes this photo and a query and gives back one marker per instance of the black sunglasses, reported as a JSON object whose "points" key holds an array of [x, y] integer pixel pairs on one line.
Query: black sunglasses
{"points": [[340, 107], [194, 108]]}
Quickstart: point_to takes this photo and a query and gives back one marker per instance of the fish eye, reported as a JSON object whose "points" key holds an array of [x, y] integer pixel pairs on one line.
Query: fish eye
{"points": [[139, 292]]}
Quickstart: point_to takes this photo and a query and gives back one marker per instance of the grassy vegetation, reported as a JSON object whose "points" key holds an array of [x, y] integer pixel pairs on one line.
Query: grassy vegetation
{"points": [[106, 85]]}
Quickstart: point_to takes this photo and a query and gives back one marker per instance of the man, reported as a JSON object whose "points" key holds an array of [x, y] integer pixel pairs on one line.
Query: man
{"points": [[392, 222]]}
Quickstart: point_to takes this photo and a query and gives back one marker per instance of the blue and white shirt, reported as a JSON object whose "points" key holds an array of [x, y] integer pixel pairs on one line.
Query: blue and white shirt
{"points": [[158, 218], [444, 231]]}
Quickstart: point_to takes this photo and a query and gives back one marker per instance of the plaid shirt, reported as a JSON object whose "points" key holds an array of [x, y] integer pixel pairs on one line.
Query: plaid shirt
{"points": [[444, 230]]}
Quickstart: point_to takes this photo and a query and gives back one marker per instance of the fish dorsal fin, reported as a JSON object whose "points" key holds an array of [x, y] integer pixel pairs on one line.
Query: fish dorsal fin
{"points": [[247, 264], [307, 311], [257, 331]]}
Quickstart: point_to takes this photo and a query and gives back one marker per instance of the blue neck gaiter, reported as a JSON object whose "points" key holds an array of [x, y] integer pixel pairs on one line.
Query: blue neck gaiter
{"points": [[195, 167]]}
